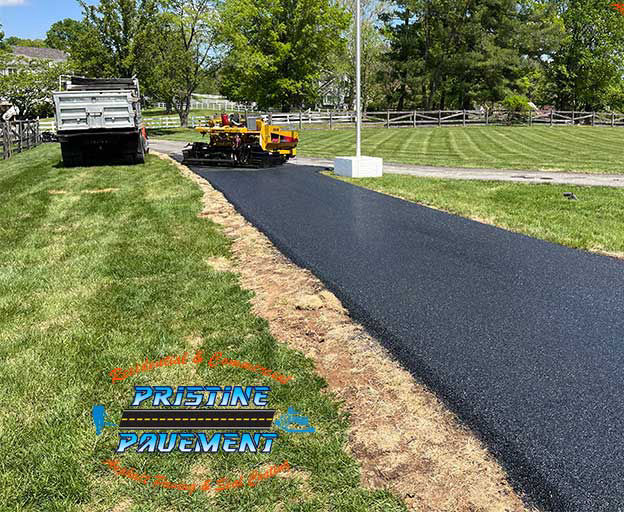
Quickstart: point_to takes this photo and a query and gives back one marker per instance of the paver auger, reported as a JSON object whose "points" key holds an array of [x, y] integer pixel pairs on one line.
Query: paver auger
{"points": [[242, 143]]}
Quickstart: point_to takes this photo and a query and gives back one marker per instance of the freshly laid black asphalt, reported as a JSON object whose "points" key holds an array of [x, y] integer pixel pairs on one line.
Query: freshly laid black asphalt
{"points": [[522, 338]]}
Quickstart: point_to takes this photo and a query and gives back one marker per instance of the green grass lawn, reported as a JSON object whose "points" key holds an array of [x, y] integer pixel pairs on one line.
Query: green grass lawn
{"points": [[561, 148], [595, 222], [100, 268], [573, 148]]}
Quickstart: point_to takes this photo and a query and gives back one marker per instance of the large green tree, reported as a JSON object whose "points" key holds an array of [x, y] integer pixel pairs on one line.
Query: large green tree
{"points": [[65, 35], [373, 47], [112, 43], [459, 54], [277, 51], [586, 70], [183, 55]]}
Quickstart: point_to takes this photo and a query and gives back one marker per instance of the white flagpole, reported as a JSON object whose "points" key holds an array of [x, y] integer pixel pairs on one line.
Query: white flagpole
{"points": [[358, 166], [358, 78]]}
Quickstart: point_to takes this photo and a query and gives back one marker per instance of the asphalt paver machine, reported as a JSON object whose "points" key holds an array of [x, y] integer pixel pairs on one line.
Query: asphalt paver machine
{"points": [[242, 142]]}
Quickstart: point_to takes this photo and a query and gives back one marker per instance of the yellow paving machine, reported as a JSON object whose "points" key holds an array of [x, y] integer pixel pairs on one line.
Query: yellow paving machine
{"points": [[242, 142]]}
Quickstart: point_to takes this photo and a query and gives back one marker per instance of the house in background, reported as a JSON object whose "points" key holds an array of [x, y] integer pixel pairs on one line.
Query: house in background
{"points": [[50, 54]]}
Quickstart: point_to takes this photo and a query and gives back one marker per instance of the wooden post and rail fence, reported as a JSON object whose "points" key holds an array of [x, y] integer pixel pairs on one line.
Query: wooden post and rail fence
{"points": [[18, 136], [413, 119]]}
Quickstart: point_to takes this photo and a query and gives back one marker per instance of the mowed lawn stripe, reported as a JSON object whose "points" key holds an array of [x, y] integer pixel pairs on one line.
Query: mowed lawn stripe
{"points": [[568, 148], [497, 146], [384, 142], [453, 135], [409, 144], [546, 146], [474, 143], [515, 145], [581, 137]]}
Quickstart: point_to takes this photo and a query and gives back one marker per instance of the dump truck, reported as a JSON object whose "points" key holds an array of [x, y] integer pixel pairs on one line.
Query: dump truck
{"points": [[242, 142], [98, 121]]}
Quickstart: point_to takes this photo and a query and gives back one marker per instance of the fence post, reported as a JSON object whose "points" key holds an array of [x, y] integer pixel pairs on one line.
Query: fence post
{"points": [[20, 135], [573, 118], [612, 119], [487, 116], [331, 116], [270, 117], [439, 118], [300, 120], [593, 118], [414, 119], [464, 117], [530, 118], [551, 117], [388, 119]]}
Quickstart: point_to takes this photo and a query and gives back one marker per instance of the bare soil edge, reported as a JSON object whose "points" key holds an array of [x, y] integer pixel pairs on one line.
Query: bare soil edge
{"points": [[404, 438]]}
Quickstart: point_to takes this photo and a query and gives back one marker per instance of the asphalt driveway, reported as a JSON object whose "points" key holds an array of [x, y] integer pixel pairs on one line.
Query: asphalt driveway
{"points": [[524, 339]]}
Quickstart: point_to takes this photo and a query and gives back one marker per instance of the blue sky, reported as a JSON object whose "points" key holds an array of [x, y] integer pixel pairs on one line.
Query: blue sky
{"points": [[31, 19]]}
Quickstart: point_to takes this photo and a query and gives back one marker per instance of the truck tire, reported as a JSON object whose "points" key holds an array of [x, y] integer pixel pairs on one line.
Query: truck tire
{"points": [[72, 154], [139, 155]]}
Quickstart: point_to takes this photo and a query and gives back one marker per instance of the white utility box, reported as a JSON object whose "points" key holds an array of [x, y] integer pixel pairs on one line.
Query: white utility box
{"points": [[358, 167]]}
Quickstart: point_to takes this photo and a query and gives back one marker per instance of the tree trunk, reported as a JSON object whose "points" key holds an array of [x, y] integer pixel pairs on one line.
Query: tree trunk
{"points": [[184, 111], [402, 94]]}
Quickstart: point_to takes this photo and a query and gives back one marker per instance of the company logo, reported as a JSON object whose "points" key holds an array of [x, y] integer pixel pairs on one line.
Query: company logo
{"points": [[98, 413], [218, 485], [179, 428], [292, 417], [178, 418], [199, 420]]}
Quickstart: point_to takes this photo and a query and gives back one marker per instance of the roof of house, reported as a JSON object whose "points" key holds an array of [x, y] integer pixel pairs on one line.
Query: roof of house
{"points": [[40, 53]]}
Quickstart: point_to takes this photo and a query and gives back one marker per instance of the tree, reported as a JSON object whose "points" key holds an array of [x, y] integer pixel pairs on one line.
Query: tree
{"points": [[109, 44], [373, 47], [460, 54], [32, 43], [183, 54], [65, 35], [587, 68], [2, 41], [30, 87], [278, 50]]}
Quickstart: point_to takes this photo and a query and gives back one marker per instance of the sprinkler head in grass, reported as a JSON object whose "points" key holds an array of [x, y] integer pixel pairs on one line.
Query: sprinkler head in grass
{"points": [[570, 196]]}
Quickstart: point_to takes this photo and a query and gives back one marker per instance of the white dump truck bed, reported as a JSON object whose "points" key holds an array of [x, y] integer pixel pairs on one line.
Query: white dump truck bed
{"points": [[98, 121], [95, 110]]}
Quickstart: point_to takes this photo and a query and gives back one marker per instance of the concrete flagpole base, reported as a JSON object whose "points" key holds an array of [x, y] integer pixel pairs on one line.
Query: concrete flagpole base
{"points": [[358, 166]]}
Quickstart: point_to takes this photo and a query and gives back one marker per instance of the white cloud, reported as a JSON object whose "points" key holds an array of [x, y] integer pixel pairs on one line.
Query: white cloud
{"points": [[4, 3]]}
